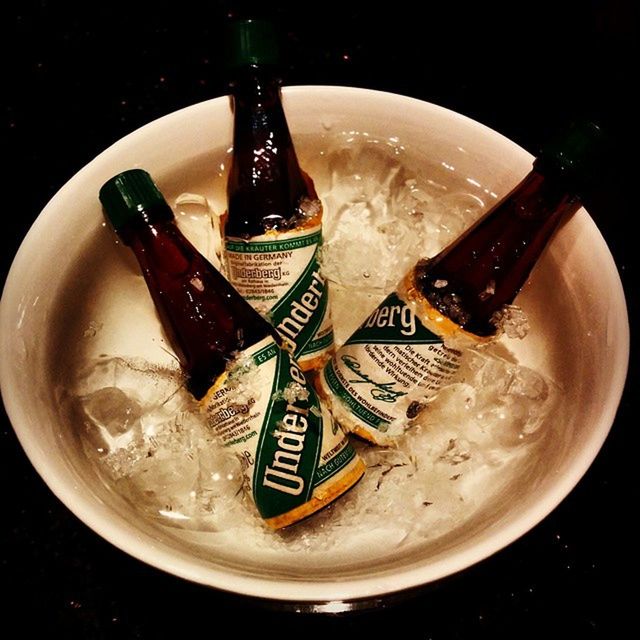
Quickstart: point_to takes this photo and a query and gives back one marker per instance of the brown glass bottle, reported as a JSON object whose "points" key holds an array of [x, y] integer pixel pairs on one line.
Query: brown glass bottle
{"points": [[276, 424], [273, 226], [471, 280], [378, 380], [207, 320]]}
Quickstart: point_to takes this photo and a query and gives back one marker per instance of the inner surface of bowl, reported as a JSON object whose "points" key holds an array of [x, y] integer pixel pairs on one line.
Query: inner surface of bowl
{"points": [[69, 271]]}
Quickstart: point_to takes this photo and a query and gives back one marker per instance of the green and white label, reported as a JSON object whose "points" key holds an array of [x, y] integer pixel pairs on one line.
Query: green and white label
{"points": [[387, 368], [268, 415], [279, 275]]}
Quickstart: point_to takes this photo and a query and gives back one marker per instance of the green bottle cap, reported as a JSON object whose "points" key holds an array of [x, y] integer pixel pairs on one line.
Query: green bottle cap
{"points": [[576, 156], [250, 42], [132, 196]]}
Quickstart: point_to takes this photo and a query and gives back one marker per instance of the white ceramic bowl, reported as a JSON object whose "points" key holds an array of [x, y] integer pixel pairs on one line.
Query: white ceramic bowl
{"points": [[575, 304]]}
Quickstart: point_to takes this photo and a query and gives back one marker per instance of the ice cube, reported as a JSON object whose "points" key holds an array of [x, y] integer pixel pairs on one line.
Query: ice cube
{"points": [[163, 485], [160, 473], [112, 409], [512, 401], [201, 224], [145, 382], [528, 383], [220, 472], [110, 420]]}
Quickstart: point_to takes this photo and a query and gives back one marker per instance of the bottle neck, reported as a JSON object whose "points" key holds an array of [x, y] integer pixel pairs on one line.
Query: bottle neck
{"points": [[144, 220], [257, 106], [266, 184], [483, 270]]}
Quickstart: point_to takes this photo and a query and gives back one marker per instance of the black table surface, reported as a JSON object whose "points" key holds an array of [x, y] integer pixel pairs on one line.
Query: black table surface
{"points": [[78, 77]]}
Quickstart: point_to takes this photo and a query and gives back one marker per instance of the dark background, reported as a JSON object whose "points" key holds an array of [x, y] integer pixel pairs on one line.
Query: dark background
{"points": [[76, 78]]}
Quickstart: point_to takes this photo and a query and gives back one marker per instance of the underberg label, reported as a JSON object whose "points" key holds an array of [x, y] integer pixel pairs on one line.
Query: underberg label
{"points": [[279, 275], [387, 367], [289, 446]]}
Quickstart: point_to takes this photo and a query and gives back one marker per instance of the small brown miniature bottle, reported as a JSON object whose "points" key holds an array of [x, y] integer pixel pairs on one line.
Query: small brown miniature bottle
{"points": [[299, 460], [378, 380], [273, 225]]}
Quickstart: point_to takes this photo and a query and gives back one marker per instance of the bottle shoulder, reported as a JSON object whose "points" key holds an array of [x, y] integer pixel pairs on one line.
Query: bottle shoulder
{"points": [[263, 208]]}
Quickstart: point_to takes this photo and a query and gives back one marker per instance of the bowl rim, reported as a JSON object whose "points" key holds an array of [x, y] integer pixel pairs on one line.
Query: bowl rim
{"points": [[295, 590]]}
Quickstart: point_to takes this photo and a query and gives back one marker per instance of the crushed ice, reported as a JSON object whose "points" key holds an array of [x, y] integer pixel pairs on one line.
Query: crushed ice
{"points": [[512, 321], [292, 392], [384, 216], [310, 208], [149, 438]]}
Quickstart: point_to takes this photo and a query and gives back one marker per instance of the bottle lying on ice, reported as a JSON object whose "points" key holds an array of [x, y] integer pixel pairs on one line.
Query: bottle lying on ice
{"points": [[255, 396], [378, 381], [273, 225]]}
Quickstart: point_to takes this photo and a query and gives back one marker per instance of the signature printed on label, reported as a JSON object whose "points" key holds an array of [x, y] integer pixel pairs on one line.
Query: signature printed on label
{"points": [[380, 390]]}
